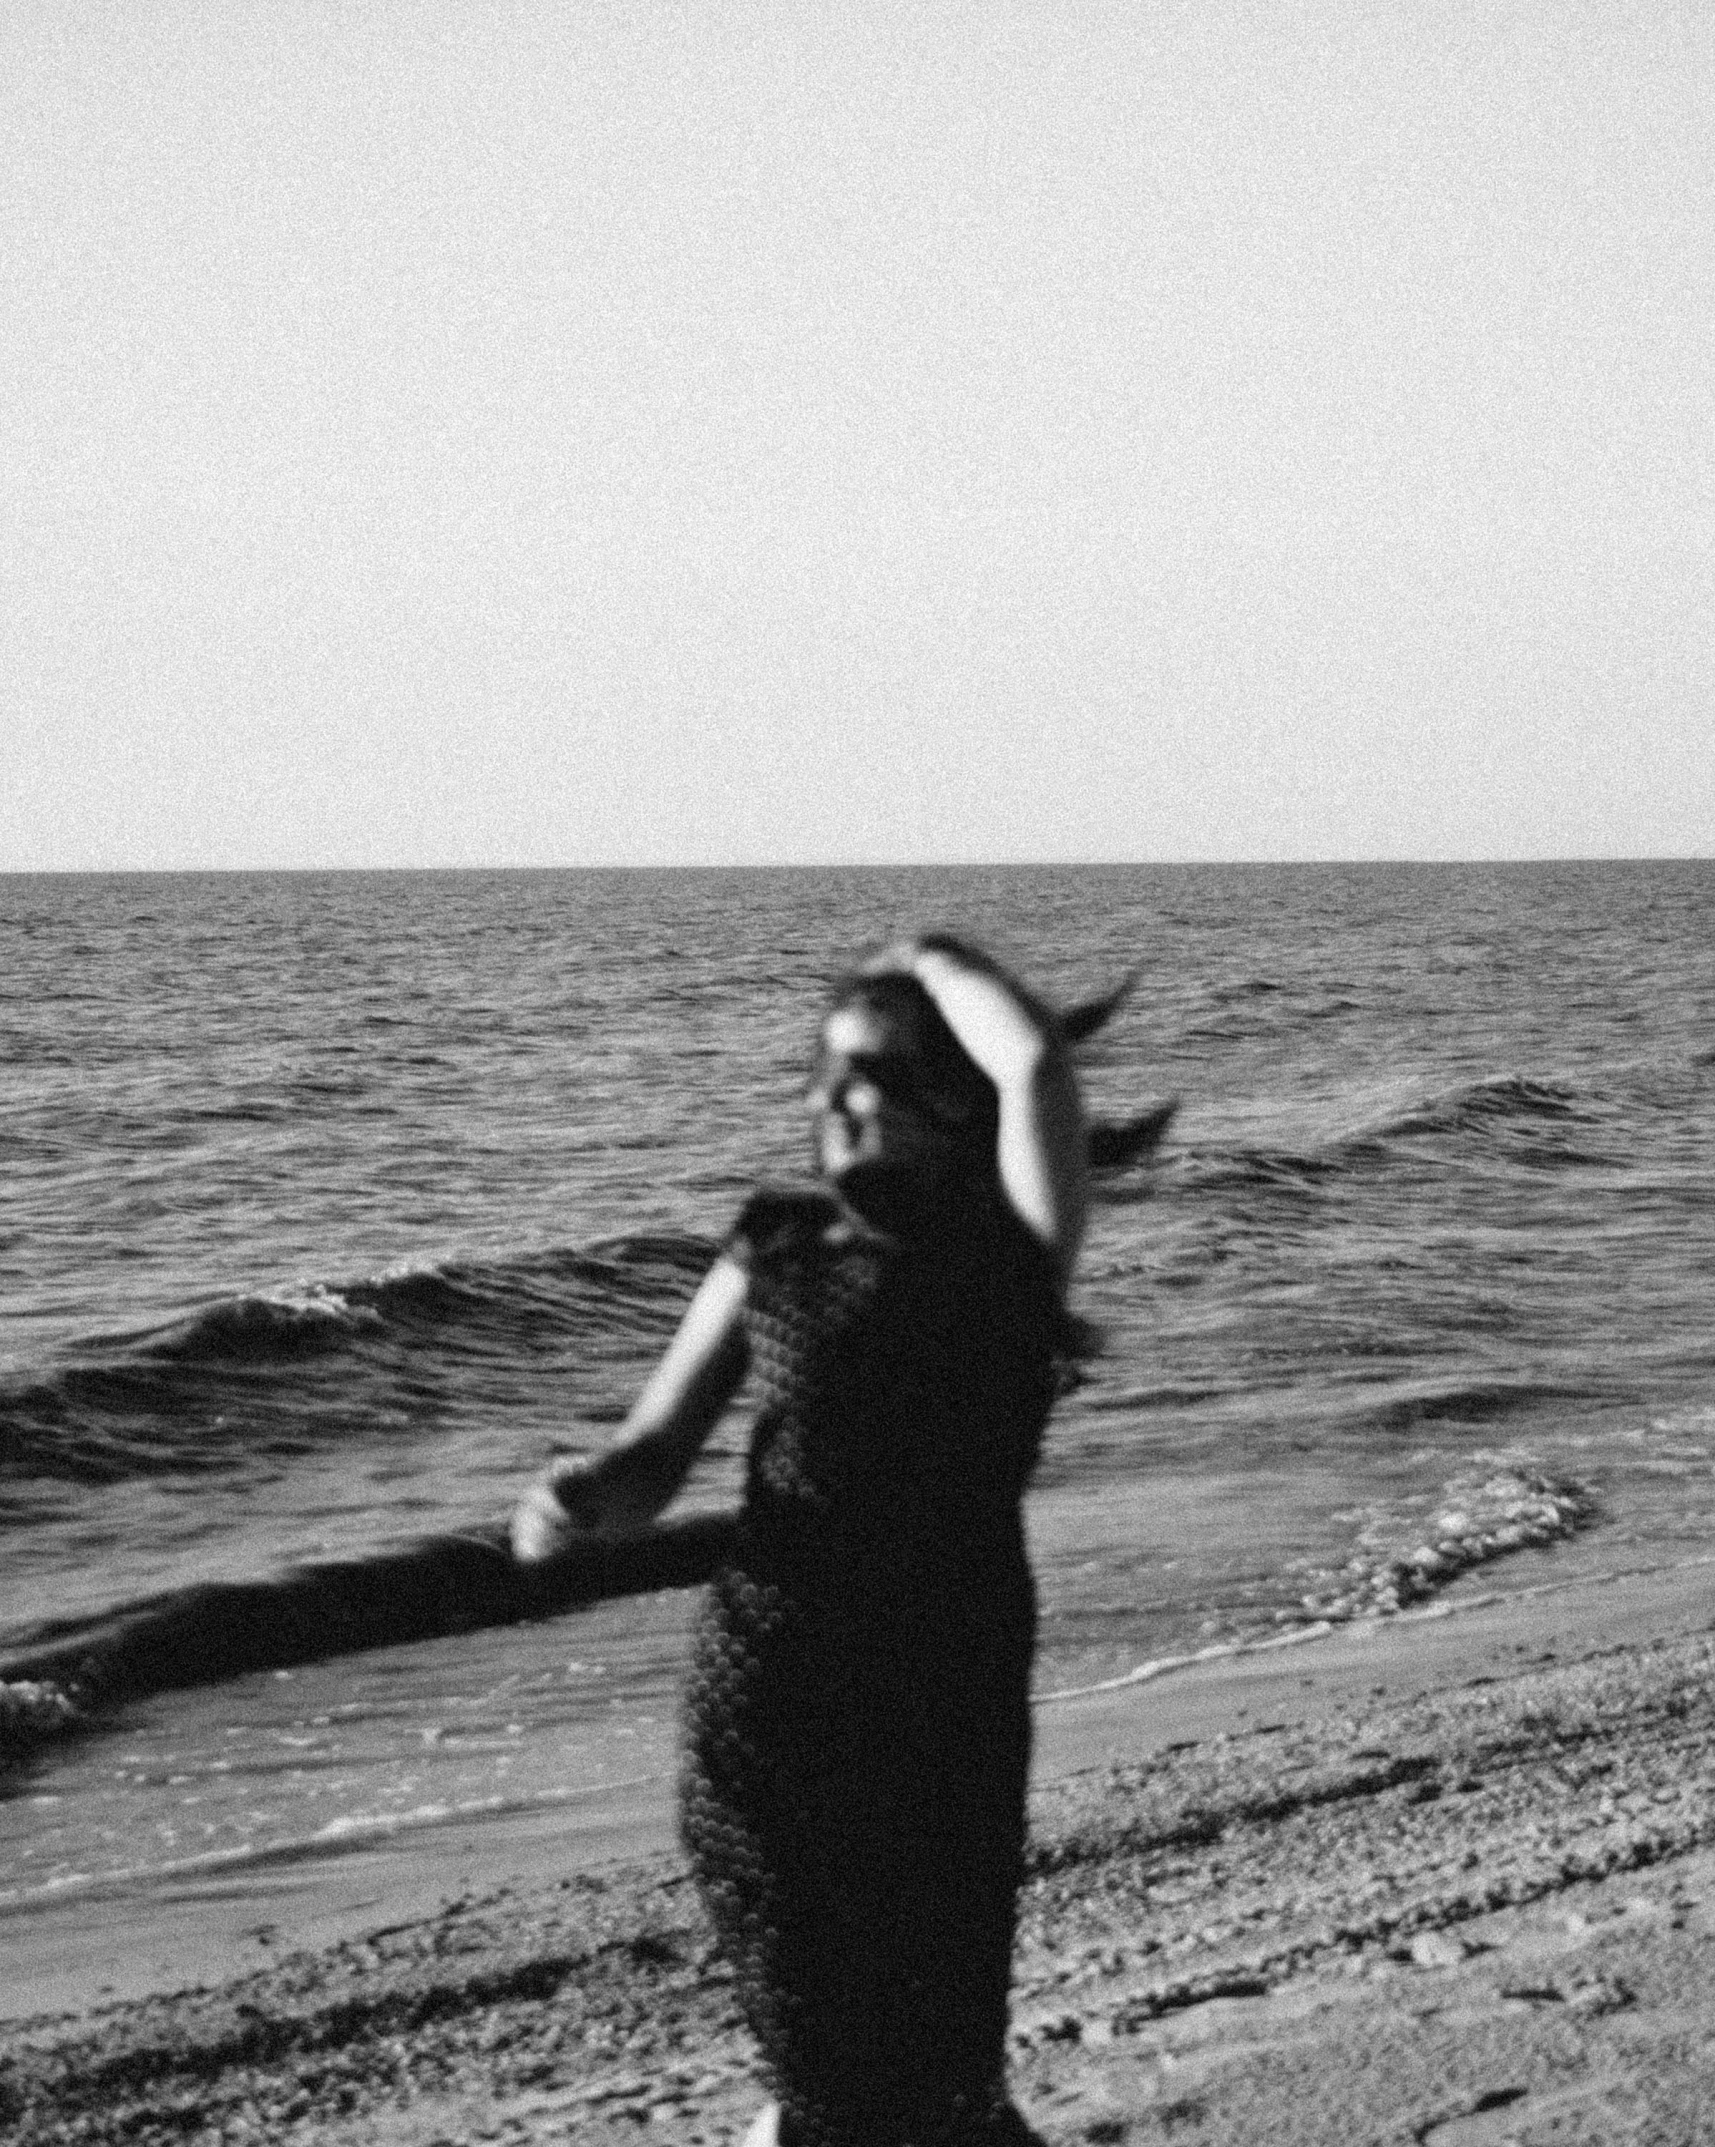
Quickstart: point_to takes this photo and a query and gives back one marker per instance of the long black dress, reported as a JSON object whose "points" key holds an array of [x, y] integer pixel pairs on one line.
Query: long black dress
{"points": [[858, 1722]]}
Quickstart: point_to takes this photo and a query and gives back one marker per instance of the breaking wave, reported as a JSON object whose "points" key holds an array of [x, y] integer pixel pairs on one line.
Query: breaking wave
{"points": [[1482, 1515]]}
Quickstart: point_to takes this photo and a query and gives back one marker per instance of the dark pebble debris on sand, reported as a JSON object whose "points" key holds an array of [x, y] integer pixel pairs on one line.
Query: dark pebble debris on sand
{"points": [[1380, 1925]]}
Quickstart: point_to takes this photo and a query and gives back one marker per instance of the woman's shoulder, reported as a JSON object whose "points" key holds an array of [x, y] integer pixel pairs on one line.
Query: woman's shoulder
{"points": [[779, 1218]]}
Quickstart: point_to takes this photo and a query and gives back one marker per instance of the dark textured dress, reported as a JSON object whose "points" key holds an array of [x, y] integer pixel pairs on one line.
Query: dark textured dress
{"points": [[858, 1722]]}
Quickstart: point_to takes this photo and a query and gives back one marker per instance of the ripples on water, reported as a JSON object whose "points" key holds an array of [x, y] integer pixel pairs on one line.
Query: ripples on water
{"points": [[335, 1201]]}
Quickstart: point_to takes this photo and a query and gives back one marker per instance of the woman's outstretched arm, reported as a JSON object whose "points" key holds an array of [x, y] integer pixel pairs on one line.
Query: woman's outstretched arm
{"points": [[628, 1485], [1043, 1151]]}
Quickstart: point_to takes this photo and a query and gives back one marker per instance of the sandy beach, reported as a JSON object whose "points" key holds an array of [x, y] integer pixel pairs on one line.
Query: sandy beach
{"points": [[1446, 1879]]}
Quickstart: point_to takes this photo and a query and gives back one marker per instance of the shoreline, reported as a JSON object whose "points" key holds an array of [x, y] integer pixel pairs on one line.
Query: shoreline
{"points": [[1425, 1836]]}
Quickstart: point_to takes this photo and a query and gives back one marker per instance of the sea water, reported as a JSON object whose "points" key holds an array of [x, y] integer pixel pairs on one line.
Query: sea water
{"points": [[335, 1203]]}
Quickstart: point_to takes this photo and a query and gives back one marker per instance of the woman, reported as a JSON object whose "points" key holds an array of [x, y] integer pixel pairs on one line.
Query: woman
{"points": [[858, 1726]]}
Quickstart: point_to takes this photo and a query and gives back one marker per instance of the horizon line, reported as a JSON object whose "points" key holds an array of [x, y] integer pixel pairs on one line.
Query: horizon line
{"points": [[858, 864]]}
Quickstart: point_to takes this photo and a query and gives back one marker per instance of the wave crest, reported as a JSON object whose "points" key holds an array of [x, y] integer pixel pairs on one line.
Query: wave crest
{"points": [[288, 1371], [1481, 1103], [251, 1330], [1532, 1121]]}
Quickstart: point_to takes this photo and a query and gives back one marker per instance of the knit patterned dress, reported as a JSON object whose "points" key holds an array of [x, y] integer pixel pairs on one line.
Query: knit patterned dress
{"points": [[858, 1723]]}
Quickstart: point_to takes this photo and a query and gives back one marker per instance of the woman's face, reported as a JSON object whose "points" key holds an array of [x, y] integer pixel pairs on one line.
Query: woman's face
{"points": [[872, 1119]]}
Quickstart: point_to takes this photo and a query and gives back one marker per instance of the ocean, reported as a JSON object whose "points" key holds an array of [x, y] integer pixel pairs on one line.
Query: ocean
{"points": [[335, 1203]]}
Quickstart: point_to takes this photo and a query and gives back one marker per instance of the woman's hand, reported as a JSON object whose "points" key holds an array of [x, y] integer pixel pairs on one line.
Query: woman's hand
{"points": [[609, 1496], [559, 1507], [542, 1524], [1003, 1027]]}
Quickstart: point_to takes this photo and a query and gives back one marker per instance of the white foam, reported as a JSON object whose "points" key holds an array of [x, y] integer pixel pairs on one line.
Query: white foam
{"points": [[32, 1713], [1481, 1516], [1160, 1665]]}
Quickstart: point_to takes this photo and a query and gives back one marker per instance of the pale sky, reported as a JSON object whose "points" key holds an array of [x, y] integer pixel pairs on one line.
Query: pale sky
{"points": [[561, 433]]}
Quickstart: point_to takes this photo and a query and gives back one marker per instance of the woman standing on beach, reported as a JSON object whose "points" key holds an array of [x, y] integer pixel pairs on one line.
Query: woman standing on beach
{"points": [[858, 1723]]}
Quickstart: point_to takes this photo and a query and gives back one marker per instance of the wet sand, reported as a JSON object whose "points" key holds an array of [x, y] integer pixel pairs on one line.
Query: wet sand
{"points": [[1445, 1879]]}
